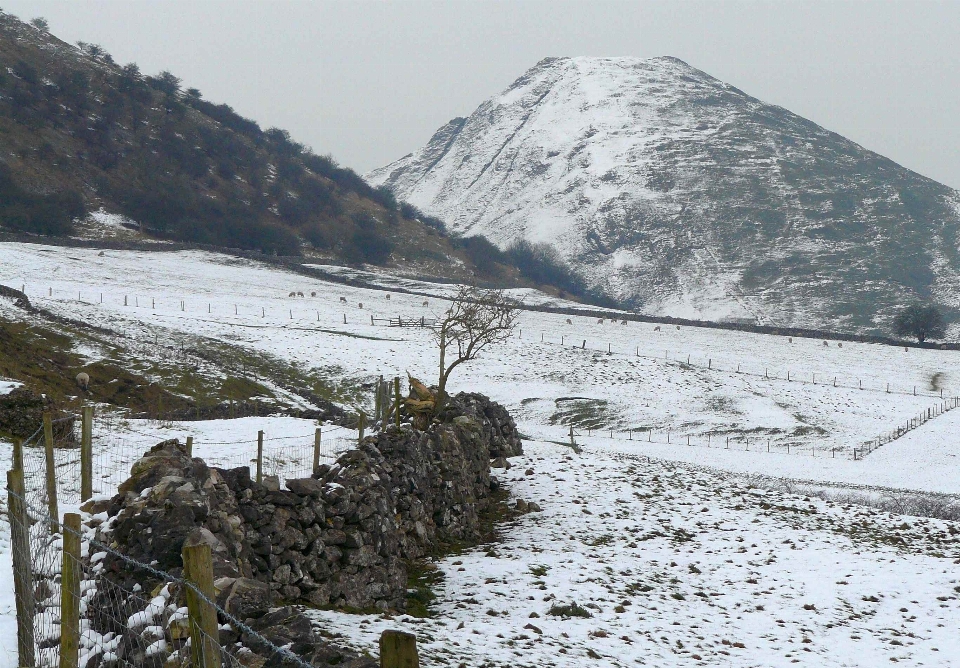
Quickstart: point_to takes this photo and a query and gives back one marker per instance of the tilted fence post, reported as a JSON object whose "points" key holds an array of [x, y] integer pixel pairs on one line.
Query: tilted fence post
{"points": [[22, 566], [260, 457], [86, 453], [204, 630], [70, 593], [316, 450], [51, 477], [398, 650]]}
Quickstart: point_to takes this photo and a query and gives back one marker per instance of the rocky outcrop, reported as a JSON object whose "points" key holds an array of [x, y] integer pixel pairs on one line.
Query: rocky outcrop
{"points": [[341, 538]]}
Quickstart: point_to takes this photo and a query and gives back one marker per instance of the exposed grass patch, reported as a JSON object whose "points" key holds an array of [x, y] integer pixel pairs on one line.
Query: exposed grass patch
{"points": [[582, 412], [569, 610], [422, 577]]}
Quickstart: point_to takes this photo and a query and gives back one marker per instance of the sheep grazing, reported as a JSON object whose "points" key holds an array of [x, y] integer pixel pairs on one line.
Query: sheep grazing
{"points": [[313, 294], [657, 328], [600, 321], [569, 321], [388, 296], [624, 322], [678, 326], [83, 381], [343, 300], [292, 294], [299, 294], [839, 345], [426, 303], [825, 343], [360, 305]]}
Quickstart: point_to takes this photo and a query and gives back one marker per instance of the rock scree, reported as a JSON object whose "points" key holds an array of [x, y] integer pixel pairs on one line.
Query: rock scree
{"points": [[341, 538]]}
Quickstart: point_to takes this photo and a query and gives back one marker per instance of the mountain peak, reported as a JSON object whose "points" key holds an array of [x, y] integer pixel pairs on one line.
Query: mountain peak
{"points": [[680, 194]]}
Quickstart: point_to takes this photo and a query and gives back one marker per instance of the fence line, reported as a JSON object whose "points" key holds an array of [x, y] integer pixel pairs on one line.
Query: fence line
{"points": [[422, 322], [71, 608], [112, 455], [763, 444], [72, 611], [741, 369]]}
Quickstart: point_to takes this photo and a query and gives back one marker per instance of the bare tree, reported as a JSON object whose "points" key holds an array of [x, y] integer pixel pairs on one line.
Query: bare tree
{"points": [[920, 321], [475, 320]]}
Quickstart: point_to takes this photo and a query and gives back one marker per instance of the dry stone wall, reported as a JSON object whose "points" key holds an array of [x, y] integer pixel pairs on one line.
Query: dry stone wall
{"points": [[341, 538]]}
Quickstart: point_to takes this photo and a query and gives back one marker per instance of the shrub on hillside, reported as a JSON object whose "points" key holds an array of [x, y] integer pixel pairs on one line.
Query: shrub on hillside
{"points": [[51, 214], [367, 246], [921, 322]]}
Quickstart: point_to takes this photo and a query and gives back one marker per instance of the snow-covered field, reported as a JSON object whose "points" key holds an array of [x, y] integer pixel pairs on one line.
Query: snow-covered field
{"points": [[679, 568], [703, 563], [708, 385]]}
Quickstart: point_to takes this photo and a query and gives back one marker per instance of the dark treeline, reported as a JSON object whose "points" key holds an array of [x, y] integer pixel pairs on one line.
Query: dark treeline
{"points": [[540, 264], [181, 167]]}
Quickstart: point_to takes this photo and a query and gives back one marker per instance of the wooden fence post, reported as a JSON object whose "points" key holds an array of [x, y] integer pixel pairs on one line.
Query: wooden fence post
{"points": [[361, 424], [86, 453], [260, 457], [189, 446], [396, 390], [398, 650], [316, 450], [22, 566], [18, 454], [204, 631], [52, 505], [70, 593]]}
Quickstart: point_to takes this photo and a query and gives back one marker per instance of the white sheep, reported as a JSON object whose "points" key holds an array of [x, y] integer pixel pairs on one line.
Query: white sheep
{"points": [[83, 381]]}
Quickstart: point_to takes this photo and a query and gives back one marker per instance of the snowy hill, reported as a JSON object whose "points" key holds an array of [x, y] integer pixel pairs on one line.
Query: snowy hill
{"points": [[687, 197]]}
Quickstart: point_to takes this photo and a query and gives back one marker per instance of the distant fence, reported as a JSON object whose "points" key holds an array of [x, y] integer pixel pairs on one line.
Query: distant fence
{"points": [[908, 426], [762, 442], [743, 368], [404, 322], [295, 264]]}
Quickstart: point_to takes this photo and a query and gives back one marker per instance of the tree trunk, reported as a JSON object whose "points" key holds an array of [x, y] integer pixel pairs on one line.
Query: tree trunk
{"points": [[442, 382]]}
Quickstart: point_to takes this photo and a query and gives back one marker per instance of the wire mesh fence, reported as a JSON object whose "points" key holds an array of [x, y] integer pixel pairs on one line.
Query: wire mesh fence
{"points": [[82, 604]]}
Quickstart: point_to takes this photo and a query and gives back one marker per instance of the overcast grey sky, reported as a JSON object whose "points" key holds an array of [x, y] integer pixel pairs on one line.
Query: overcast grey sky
{"points": [[370, 81]]}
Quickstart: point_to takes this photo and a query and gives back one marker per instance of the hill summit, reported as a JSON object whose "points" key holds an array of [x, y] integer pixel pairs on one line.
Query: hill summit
{"points": [[682, 195]]}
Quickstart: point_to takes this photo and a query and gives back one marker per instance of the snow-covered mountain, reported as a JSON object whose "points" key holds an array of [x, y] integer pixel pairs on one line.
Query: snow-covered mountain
{"points": [[684, 196]]}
